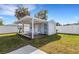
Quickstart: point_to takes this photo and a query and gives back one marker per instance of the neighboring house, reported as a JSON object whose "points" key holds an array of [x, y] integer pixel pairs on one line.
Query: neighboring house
{"points": [[36, 26]]}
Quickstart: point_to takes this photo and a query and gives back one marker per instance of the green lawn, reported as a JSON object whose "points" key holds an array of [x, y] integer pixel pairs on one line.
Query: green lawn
{"points": [[67, 44], [58, 43]]}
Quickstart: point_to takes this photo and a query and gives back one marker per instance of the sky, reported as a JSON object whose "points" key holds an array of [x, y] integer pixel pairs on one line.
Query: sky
{"points": [[62, 13]]}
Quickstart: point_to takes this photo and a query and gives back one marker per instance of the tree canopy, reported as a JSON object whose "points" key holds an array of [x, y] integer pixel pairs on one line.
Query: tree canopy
{"points": [[42, 14], [1, 22], [58, 24], [21, 12]]}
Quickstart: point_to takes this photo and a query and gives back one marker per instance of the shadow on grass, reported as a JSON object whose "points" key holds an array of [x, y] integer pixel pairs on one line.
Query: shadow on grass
{"points": [[45, 40], [41, 41]]}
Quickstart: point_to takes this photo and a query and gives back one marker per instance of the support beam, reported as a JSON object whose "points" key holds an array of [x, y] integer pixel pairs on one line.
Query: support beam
{"points": [[23, 27], [32, 28]]}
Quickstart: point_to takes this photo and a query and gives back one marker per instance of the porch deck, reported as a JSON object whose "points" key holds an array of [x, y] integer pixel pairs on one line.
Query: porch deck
{"points": [[35, 36]]}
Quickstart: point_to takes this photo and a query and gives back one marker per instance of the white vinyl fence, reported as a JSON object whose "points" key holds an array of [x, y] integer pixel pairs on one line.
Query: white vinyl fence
{"points": [[8, 29], [11, 29], [71, 29]]}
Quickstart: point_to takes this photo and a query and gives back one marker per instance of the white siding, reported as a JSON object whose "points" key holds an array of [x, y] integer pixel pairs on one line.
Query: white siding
{"points": [[26, 27], [39, 28], [36, 29], [51, 28], [42, 28]]}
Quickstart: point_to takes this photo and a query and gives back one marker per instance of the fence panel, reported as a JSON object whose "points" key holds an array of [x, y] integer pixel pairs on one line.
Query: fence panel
{"points": [[8, 29], [71, 29]]}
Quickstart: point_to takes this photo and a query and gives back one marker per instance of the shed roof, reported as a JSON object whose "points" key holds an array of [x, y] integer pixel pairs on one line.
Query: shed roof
{"points": [[28, 20]]}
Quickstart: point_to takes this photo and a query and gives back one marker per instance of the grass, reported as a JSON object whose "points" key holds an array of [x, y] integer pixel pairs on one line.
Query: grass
{"points": [[2, 35], [58, 43], [68, 44], [10, 42]]}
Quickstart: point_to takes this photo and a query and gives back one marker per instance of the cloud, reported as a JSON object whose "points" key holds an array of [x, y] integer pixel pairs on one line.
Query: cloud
{"points": [[75, 18], [30, 6], [9, 9], [1, 17]]}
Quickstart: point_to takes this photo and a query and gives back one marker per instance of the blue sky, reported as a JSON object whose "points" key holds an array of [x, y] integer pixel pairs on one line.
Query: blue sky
{"points": [[62, 13]]}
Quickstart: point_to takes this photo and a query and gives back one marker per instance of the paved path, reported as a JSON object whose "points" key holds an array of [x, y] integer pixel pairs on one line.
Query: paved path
{"points": [[27, 50]]}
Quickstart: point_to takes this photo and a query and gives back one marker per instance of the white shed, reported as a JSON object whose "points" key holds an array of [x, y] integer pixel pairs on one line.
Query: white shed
{"points": [[37, 26], [51, 27]]}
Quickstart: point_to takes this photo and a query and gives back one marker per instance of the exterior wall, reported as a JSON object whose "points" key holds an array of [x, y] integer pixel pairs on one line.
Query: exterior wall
{"points": [[39, 28], [36, 29], [71, 29], [42, 28], [51, 28], [26, 28], [46, 28], [8, 29]]}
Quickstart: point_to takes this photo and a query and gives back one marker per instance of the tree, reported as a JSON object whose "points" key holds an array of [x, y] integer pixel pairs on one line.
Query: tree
{"points": [[21, 12], [1, 22], [42, 14], [58, 24]]}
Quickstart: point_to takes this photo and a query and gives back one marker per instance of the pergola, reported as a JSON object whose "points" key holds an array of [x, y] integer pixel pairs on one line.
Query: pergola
{"points": [[32, 21]]}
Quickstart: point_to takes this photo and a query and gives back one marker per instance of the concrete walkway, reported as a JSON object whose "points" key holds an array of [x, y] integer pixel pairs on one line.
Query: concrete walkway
{"points": [[27, 50]]}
